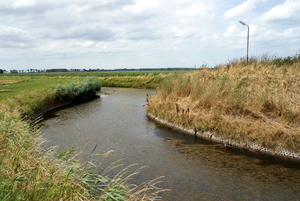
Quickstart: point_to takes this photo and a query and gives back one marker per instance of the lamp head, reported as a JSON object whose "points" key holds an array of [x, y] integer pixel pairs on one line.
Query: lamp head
{"points": [[242, 23]]}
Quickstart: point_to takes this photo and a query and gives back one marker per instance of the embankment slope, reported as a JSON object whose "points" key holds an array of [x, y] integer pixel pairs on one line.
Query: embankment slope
{"points": [[254, 105]]}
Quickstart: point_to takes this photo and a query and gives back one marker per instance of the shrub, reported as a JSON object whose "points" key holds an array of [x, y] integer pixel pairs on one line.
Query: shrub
{"points": [[78, 92]]}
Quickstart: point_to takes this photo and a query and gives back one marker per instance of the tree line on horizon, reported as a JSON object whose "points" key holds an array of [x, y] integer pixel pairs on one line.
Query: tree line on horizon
{"points": [[94, 70]]}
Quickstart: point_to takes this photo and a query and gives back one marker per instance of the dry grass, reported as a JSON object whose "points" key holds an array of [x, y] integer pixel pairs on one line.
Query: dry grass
{"points": [[9, 81], [258, 102]]}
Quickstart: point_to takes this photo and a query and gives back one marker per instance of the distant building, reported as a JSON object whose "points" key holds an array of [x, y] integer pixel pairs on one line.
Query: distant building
{"points": [[14, 71]]}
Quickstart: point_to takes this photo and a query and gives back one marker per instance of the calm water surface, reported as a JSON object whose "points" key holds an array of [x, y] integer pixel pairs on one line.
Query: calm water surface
{"points": [[194, 169]]}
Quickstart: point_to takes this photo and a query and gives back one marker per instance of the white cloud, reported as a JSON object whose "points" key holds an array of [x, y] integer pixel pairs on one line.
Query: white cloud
{"points": [[12, 37], [292, 32], [287, 13], [88, 32], [23, 3], [185, 32], [242, 9], [141, 33], [231, 31]]}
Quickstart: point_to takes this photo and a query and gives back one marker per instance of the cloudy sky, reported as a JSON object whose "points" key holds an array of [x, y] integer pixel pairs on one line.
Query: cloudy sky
{"points": [[108, 34]]}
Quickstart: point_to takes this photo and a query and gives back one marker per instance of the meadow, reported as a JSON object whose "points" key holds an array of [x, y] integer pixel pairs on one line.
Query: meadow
{"points": [[22, 83]]}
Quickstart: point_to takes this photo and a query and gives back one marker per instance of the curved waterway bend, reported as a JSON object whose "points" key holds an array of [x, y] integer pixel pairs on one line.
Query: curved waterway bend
{"points": [[195, 170]]}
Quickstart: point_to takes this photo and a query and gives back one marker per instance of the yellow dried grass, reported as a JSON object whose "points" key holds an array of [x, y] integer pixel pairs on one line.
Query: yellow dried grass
{"points": [[258, 102]]}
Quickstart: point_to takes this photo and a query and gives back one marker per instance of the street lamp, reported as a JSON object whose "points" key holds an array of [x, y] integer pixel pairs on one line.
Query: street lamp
{"points": [[243, 23]]}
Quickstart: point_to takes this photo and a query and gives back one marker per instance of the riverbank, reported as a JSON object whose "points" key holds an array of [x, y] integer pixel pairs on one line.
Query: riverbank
{"points": [[227, 142], [24, 173], [28, 173], [251, 105]]}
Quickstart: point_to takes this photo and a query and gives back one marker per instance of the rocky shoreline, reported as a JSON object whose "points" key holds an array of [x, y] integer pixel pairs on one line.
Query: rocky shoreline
{"points": [[228, 142]]}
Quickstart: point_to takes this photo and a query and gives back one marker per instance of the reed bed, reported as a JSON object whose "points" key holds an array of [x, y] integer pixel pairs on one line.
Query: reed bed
{"points": [[255, 102]]}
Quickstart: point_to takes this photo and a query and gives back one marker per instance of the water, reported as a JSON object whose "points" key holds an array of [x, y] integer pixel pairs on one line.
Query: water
{"points": [[195, 170]]}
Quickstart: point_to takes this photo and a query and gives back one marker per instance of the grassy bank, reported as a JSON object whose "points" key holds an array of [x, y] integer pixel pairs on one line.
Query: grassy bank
{"points": [[25, 174], [142, 81], [246, 102], [32, 96]]}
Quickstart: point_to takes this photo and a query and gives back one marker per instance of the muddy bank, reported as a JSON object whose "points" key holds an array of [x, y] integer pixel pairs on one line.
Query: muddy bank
{"points": [[229, 142]]}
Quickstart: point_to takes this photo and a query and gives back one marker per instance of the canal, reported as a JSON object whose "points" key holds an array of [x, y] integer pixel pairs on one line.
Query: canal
{"points": [[194, 169]]}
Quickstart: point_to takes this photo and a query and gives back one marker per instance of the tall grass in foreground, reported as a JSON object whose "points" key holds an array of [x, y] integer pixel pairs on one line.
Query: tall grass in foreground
{"points": [[254, 102], [26, 174]]}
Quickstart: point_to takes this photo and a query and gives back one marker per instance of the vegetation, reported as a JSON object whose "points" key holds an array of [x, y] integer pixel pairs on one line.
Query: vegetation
{"points": [[78, 92], [145, 81], [247, 102], [22, 83], [26, 174], [13, 85], [31, 99], [99, 73]]}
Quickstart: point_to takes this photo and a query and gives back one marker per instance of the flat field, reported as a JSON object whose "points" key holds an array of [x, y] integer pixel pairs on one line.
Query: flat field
{"points": [[15, 84], [11, 86]]}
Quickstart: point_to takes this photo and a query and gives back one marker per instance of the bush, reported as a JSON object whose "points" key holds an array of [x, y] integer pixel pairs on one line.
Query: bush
{"points": [[78, 92]]}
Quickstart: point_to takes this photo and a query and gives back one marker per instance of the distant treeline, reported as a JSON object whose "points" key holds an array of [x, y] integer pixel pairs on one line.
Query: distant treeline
{"points": [[120, 69], [59, 70], [153, 69]]}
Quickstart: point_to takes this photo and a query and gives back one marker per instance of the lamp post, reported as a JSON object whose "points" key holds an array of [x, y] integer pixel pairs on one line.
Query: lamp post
{"points": [[243, 23]]}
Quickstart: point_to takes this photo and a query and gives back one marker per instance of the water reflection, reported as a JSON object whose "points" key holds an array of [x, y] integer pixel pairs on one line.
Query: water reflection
{"points": [[194, 169]]}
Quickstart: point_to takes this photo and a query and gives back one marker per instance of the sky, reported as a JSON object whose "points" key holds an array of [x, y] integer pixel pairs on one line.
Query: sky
{"points": [[110, 34]]}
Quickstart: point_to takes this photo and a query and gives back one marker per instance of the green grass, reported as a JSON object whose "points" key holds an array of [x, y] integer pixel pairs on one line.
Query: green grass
{"points": [[16, 84], [27, 84], [149, 81]]}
